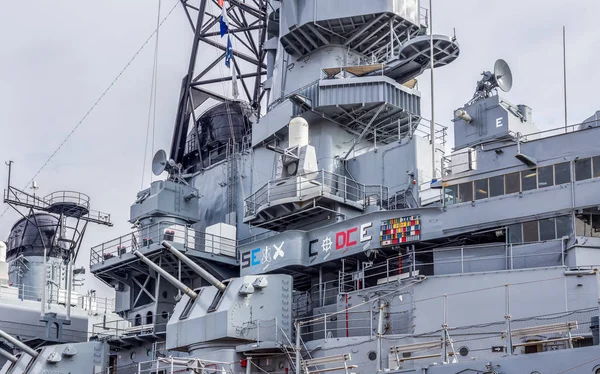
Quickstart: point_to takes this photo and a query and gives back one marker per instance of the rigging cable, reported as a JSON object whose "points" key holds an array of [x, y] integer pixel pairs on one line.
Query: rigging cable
{"points": [[110, 86], [152, 105]]}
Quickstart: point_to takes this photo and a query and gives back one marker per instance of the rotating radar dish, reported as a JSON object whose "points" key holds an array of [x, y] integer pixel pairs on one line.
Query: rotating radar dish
{"points": [[159, 162], [502, 75], [501, 78]]}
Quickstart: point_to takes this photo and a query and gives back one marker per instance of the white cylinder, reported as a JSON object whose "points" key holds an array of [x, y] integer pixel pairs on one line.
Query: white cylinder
{"points": [[2, 252], [298, 132]]}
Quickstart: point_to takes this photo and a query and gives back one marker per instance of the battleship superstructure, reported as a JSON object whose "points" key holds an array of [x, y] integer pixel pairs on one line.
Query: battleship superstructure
{"points": [[328, 231]]}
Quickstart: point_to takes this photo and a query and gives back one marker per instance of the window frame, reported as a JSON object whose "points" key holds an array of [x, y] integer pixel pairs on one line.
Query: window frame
{"points": [[590, 169], [459, 200], [522, 175], [570, 180], [551, 168], [518, 173], [487, 191]]}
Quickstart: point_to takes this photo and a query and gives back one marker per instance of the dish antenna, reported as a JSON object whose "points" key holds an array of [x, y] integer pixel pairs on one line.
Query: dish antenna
{"points": [[160, 163], [500, 78]]}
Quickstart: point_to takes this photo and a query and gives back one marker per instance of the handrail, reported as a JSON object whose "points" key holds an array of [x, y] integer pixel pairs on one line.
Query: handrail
{"points": [[318, 182], [403, 265], [163, 230]]}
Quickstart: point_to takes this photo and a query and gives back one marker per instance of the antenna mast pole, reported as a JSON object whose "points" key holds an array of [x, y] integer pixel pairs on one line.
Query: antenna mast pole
{"points": [[565, 75], [432, 127]]}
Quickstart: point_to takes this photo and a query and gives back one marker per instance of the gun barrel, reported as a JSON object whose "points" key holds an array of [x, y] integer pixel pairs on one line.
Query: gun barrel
{"points": [[197, 268], [8, 356], [171, 279], [18, 344]]}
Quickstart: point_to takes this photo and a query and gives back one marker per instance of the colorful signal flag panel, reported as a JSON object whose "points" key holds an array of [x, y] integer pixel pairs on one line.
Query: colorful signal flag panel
{"points": [[400, 230]]}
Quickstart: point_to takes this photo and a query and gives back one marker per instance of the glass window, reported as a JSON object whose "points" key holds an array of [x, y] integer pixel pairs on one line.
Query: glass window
{"points": [[513, 182], [514, 233], [481, 189], [451, 194], [529, 179], [583, 169], [583, 225], [562, 173], [465, 192], [547, 229], [563, 226], [545, 176], [596, 225], [530, 231], [596, 171], [497, 186]]}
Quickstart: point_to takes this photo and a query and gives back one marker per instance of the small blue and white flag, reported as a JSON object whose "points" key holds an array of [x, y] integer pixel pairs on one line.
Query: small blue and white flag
{"points": [[228, 53], [223, 22]]}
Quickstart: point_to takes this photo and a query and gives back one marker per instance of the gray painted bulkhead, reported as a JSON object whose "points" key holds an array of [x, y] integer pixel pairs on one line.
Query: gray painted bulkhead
{"points": [[473, 277]]}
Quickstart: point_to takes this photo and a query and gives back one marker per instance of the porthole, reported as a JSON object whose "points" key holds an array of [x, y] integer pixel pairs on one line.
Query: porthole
{"points": [[149, 352], [132, 355], [165, 315], [372, 355], [463, 351], [535, 372], [597, 371], [165, 294]]}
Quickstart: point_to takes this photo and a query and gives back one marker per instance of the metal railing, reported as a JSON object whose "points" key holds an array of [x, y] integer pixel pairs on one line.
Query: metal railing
{"points": [[179, 234], [399, 327], [72, 197], [175, 365], [44, 203], [131, 327], [58, 296], [446, 261], [313, 184], [455, 260], [95, 304]]}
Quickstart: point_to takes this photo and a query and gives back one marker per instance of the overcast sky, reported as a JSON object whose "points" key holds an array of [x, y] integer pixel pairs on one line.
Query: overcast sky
{"points": [[57, 57]]}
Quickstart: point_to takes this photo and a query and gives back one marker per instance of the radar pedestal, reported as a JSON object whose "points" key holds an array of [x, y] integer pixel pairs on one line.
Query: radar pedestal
{"points": [[488, 117]]}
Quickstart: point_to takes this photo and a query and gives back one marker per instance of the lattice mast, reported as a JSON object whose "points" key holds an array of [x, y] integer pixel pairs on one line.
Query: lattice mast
{"points": [[240, 47]]}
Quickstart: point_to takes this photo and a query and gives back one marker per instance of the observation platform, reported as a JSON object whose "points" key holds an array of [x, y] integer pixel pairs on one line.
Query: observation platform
{"points": [[279, 203], [374, 107], [361, 26], [114, 259], [69, 204]]}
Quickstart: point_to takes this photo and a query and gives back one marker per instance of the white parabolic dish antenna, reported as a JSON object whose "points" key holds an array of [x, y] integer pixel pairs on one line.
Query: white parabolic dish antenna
{"points": [[159, 162], [503, 75]]}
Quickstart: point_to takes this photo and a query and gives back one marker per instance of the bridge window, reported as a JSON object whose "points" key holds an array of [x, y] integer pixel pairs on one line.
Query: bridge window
{"points": [[481, 189], [596, 168], [451, 194], [562, 173], [583, 169], [512, 182], [546, 176], [497, 186], [547, 229], [149, 318], [530, 231], [465, 192], [564, 226], [529, 179], [515, 235]]}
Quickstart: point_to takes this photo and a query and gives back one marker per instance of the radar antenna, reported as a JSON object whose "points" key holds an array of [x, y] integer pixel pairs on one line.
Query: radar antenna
{"points": [[500, 78]]}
